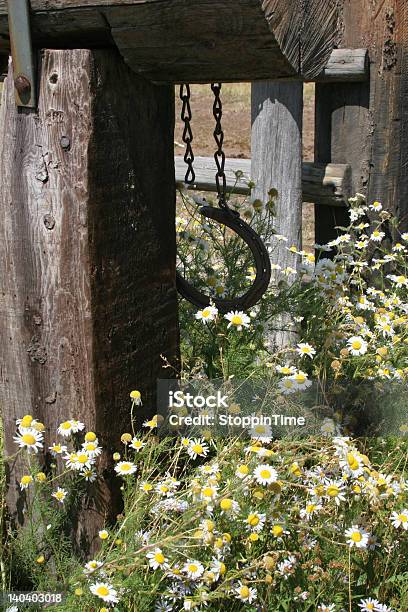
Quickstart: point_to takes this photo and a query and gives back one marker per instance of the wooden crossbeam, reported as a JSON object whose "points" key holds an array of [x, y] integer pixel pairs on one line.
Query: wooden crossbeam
{"points": [[325, 184]]}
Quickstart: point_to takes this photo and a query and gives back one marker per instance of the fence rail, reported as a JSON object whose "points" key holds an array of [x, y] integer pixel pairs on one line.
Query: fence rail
{"points": [[324, 184]]}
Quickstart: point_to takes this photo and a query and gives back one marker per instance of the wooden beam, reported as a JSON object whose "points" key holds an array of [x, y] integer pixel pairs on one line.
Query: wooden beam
{"points": [[346, 66], [164, 40], [88, 303], [326, 184]]}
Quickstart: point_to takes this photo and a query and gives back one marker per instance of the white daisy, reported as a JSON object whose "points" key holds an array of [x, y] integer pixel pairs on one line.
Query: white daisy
{"points": [[255, 521], [357, 345], [287, 385], [57, 449], [193, 569], [31, 439], [377, 236], [264, 474], [301, 380], [310, 510], [356, 537], [400, 519], [60, 495], [104, 591], [65, 429], [244, 593], [92, 566], [157, 559], [237, 319], [197, 448], [303, 348], [125, 468], [207, 314], [368, 605], [137, 444]]}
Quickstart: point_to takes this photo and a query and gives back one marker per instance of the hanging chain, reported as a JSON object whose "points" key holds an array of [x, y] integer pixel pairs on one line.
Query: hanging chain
{"points": [[186, 116], [219, 155]]}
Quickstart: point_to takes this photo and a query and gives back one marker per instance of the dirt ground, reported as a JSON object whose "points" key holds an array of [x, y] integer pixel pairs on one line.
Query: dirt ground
{"points": [[236, 98]]}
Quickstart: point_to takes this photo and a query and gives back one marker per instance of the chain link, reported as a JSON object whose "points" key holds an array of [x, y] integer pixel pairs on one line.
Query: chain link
{"points": [[219, 156], [186, 116]]}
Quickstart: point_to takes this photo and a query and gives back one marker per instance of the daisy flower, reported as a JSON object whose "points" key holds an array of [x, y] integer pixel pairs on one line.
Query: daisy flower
{"points": [[136, 397], [255, 521], [400, 519], [30, 439], [309, 510], [357, 345], [137, 445], [103, 534], [237, 319], [105, 591], [278, 531], [197, 448], [92, 449], [301, 380], [303, 348], [229, 507], [151, 423], [146, 487], [326, 608], [89, 475], [157, 559], [207, 314], [25, 481], [242, 471], [286, 370], [377, 236], [193, 569], [335, 490], [77, 426], [92, 566], [356, 536], [287, 385], [244, 593], [368, 605], [265, 475], [59, 495], [377, 206], [124, 468], [65, 429]]}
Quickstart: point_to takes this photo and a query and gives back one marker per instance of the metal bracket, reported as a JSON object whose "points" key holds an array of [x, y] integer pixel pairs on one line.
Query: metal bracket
{"points": [[22, 52]]}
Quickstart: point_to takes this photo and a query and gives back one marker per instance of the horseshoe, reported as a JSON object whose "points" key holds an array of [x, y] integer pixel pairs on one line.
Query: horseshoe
{"points": [[231, 219]]}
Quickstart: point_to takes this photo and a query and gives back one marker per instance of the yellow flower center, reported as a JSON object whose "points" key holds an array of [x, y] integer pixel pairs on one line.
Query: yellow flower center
{"points": [[265, 474], [82, 458], [226, 504], [28, 439], [135, 395], [300, 378], [208, 492], [159, 558], [333, 490], [66, 425], [192, 568], [90, 436], [26, 420], [356, 536], [310, 508], [356, 345], [243, 469], [244, 592], [206, 313], [102, 591], [277, 530], [403, 518], [253, 520], [197, 448], [236, 320], [60, 495], [26, 480]]}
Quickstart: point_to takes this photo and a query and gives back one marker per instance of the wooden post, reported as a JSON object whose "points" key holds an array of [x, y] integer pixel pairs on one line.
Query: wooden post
{"points": [[87, 254], [366, 124], [277, 163]]}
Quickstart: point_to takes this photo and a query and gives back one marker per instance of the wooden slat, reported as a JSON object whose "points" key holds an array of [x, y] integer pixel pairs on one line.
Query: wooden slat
{"points": [[346, 66], [194, 40], [325, 184]]}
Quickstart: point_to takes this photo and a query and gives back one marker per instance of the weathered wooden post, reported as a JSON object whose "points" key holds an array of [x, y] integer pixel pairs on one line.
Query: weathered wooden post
{"points": [[365, 124], [277, 119], [87, 247]]}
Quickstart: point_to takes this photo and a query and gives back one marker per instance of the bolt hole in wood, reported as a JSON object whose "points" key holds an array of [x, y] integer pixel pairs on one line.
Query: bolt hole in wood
{"points": [[54, 78], [236, 99]]}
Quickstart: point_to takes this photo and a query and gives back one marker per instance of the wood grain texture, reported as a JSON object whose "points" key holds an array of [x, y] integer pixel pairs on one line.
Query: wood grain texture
{"points": [[346, 65], [87, 255], [165, 40], [328, 185], [277, 110], [368, 122]]}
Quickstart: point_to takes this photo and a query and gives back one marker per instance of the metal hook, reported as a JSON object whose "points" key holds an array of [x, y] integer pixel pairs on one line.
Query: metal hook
{"points": [[232, 220]]}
